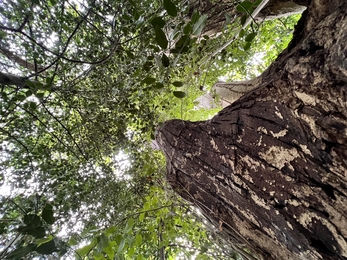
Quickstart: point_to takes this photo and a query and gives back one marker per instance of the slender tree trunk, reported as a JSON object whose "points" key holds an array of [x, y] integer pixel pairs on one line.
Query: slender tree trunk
{"points": [[271, 169], [217, 10]]}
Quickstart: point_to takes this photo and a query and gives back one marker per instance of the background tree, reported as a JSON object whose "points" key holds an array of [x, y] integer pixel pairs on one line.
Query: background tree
{"points": [[271, 168]]}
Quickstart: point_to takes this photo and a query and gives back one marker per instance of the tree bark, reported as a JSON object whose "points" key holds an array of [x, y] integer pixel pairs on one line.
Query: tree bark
{"points": [[271, 170]]}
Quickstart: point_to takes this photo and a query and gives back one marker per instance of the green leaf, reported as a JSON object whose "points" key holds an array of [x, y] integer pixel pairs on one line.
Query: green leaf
{"points": [[170, 8], [138, 240], [199, 25], [40, 94], [20, 97], [131, 251], [32, 105], [245, 7], [187, 29], [102, 242], [182, 45], [72, 242], [179, 94], [160, 37], [47, 214], [158, 22], [28, 93], [37, 232], [159, 85], [148, 80], [85, 250], [165, 60], [250, 37], [21, 252], [121, 246], [195, 16], [203, 249], [247, 46], [142, 217], [44, 240], [177, 84], [110, 249], [47, 248], [129, 226], [32, 219]]}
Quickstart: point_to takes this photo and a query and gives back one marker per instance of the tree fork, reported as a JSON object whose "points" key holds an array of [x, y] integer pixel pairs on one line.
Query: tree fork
{"points": [[271, 168]]}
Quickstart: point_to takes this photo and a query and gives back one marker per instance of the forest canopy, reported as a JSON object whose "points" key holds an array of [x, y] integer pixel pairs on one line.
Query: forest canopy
{"points": [[84, 85]]}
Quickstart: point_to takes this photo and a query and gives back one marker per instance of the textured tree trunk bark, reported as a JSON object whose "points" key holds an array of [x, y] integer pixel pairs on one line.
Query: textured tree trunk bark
{"points": [[271, 169]]}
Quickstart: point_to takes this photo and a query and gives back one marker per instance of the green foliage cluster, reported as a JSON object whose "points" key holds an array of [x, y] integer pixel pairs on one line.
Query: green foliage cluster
{"points": [[84, 84]]}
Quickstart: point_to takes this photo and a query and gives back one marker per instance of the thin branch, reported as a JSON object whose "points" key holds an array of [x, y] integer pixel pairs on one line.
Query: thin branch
{"points": [[51, 133], [67, 131], [248, 21]]}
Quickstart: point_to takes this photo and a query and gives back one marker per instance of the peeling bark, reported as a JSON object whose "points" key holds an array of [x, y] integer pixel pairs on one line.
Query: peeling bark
{"points": [[271, 170]]}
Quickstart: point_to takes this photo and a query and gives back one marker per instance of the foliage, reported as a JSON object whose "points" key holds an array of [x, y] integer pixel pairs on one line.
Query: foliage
{"points": [[84, 84]]}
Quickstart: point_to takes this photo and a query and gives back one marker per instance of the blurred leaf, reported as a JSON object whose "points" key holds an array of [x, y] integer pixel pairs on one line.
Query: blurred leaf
{"points": [[138, 240], [129, 225], [177, 84], [85, 250], [158, 22], [148, 80], [165, 60], [179, 94], [250, 37], [247, 46], [187, 28], [159, 85], [141, 217], [47, 214], [245, 7], [121, 246], [160, 37], [102, 242], [47, 248], [170, 8], [199, 25], [44, 240], [32, 219], [21, 252]]}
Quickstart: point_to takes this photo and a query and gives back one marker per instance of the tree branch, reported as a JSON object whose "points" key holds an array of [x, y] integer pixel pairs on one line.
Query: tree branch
{"points": [[10, 79], [15, 58]]}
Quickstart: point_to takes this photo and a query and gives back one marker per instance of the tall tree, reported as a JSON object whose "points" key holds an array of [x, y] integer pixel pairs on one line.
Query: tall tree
{"points": [[271, 168]]}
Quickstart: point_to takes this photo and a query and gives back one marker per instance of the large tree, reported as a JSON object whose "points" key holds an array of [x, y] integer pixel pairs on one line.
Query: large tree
{"points": [[271, 169]]}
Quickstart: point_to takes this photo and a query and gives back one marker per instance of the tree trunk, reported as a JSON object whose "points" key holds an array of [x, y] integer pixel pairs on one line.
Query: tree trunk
{"points": [[224, 94], [271, 168], [217, 10]]}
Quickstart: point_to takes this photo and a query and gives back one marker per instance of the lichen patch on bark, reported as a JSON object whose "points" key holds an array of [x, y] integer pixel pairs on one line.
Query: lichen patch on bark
{"points": [[278, 156]]}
